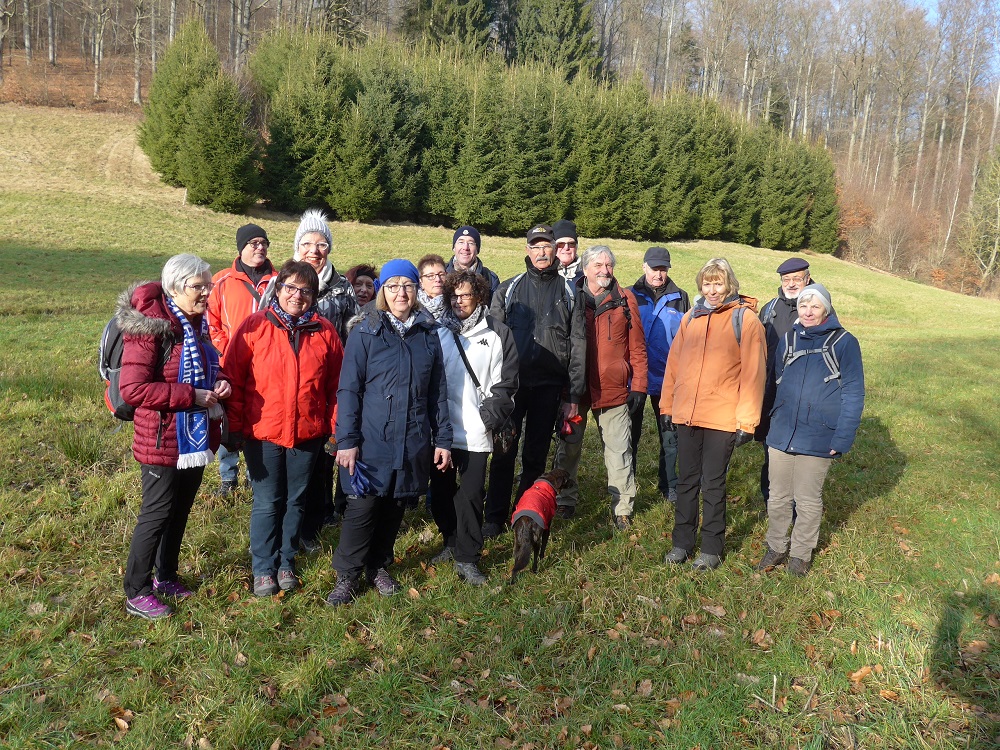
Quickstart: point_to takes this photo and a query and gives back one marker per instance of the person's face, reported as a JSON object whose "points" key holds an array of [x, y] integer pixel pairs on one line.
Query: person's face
{"points": [[542, 254], [463, 301], [294, 296], [656, 276], [254, 253], [313, 249], [793, 283], [364, 289], [566, 250], [713, 290], [465, 251], [400, 296], [432, 279], [599, 272], [192, 299], [812, 312]]}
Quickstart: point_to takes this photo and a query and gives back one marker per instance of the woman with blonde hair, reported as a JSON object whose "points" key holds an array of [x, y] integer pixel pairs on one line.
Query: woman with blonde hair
{"points": [[712, 393]]}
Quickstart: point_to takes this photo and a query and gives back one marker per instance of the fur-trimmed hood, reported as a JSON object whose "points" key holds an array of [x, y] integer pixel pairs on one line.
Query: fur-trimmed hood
{"points": [[142, 311]]}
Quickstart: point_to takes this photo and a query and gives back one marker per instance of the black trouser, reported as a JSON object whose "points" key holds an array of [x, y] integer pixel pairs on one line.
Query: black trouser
{"points": [[167, 496], [368, 534], [537, 407], [458, 508], [667, 465], [319, 497], [702, 462]]}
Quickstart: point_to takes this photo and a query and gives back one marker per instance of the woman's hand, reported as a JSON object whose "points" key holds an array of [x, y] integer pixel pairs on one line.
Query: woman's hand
{"points": [[222, 389], [570, 410], [205, 398], [346, 459], [442, 459]]}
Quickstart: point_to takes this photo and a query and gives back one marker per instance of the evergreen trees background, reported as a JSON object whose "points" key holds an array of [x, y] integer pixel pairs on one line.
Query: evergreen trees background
{"points": [[385, 132]]}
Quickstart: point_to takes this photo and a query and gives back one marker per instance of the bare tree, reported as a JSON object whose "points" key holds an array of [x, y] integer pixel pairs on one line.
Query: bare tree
{"points": [[6, 13], [101, 12], [50, 14], [26, 29]]}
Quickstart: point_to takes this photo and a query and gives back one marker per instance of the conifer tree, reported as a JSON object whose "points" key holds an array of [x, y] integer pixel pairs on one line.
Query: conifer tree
{"points": [[186, 65], [675, 128], [460, 23], [784, 199], [823, 221], [714, 142], [558, 33], [219, 148]]}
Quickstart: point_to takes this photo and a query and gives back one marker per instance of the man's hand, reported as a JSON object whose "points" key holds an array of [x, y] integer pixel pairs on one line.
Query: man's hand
{"points": [[442, 459], [346, 459], [636, 402]]}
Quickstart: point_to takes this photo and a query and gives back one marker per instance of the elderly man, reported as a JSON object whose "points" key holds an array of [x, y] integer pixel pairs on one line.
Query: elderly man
{"points": [[235, 296], [566, 248], [662, 305], [616, 378], [778, 316], [545, 314], [465, 246]]}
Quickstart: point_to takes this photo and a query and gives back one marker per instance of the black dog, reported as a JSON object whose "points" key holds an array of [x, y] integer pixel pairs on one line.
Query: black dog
{"points": [[532, 518]]}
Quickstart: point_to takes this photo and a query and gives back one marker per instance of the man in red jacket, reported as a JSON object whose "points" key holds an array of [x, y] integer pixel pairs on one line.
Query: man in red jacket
{"points": [[616, 374], [235, 297]]}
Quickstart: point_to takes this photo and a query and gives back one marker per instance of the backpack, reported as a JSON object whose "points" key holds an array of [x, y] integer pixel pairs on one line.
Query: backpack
{"points": [[826, 349], [736, 319], [617, 300], [769, 313], [109, 365]]}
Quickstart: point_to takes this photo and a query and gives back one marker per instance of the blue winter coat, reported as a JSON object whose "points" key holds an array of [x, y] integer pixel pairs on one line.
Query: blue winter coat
{"points": [[812, 417], [660, 322], [393, 402]]}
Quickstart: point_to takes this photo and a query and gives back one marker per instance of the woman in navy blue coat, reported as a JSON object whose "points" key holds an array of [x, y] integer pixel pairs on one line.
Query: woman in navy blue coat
{"points": [[820, 393], [392, 424]]}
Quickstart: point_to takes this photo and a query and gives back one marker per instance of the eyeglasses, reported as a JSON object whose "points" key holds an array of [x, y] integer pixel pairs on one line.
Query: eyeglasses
{"points": [[785, 280], [257, 244], [544, 248], [321, 246], [463, 297], [201, 288], [435, 275], [564, 245], [405, 288], [293, 290]]}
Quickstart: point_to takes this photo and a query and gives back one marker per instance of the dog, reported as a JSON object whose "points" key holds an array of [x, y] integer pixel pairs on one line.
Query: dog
{"points": [[532, 518]]}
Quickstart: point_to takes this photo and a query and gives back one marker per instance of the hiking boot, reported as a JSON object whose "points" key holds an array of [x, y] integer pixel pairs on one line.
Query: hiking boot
{"points": [[705, 561], [565, 511], [227, 488], [676, 556], [623, 523], [384, 582], [443, 556], [264, 586], [672, 497], [771, 559], [287, 580], [471, 573], [491, 530], [174, 589], [797, 567], [309, 546], [343, 593], [148, 607]]}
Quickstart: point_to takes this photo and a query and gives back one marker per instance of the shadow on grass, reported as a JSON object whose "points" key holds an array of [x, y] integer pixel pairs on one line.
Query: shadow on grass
{"points": [[965, 663]]}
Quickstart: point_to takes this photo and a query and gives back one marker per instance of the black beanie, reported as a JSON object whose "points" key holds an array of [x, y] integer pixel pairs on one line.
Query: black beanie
{"points": [[246, 233], [564, 228]]}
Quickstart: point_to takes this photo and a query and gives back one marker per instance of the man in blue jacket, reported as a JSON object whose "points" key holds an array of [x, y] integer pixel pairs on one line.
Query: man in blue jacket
{"points": [[662, 305]]}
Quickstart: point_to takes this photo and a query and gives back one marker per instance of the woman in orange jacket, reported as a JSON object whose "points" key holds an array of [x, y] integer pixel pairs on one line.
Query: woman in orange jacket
{"points": [[713, 388]]}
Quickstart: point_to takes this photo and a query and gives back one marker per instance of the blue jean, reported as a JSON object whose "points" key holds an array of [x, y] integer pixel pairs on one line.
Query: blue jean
{"points": [[228, 464], [279, 477]]}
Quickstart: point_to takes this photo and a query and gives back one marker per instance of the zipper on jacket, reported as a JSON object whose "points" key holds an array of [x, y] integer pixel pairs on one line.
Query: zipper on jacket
{"points": [[159, 430]]}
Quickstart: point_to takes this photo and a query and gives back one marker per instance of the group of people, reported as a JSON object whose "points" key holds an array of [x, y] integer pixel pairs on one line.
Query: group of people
{"points": [[401, 382]]}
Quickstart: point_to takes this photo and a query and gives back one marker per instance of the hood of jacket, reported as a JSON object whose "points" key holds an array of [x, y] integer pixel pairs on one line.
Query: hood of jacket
{"points": [[142, 311]]}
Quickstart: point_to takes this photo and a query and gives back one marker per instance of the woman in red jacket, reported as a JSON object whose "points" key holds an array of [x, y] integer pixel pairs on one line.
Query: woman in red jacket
{"points": [[284, 365], [170, 374]]}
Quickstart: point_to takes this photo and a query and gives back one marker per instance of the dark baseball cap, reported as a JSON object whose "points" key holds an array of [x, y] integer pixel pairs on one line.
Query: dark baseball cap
{"points": [[540, 232], [657, 257]]}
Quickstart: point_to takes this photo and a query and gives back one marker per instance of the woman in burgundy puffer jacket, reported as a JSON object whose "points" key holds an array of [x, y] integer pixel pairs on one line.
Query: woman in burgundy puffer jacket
{"points": [[170, 374]]}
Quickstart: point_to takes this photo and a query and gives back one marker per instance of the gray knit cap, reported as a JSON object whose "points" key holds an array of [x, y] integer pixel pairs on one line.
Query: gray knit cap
{"points": [[313, 220], [816, 290]]}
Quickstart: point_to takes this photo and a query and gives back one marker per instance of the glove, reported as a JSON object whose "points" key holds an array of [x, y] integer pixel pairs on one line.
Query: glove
{"points": [[742, 438], [667, 424], [235, 442], [635, 401], [330, 446]]}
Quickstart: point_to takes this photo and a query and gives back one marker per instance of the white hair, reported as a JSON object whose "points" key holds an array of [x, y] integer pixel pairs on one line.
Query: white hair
{"points": [[179, 269], [594, 252]]}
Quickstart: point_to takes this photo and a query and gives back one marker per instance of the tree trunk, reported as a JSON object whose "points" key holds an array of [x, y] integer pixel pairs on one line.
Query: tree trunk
{"points": [[137, 52], [172, 21], [51, 17], [26, 9]]}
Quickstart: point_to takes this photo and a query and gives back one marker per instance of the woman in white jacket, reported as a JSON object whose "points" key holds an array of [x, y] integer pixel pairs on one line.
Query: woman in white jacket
{"points": [[481, 367]]}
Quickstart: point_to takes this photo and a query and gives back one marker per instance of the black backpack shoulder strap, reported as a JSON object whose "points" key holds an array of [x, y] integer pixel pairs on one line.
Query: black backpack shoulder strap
{"points": [[465, 359]]}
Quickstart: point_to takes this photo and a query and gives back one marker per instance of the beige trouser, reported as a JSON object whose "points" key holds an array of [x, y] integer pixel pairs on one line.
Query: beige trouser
{"points": [[615, 429], [796, 488]]}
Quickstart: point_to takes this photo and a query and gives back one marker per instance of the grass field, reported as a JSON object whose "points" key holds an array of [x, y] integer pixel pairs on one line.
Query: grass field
{"points": [[893, 640]]}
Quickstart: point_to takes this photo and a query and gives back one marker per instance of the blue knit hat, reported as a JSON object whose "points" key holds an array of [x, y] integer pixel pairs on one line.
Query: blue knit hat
{"points": [[399, 267], [467, 232]]}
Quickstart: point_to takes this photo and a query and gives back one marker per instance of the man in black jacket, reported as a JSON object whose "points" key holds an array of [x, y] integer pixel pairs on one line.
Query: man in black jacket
{"points": [[546, 316]]}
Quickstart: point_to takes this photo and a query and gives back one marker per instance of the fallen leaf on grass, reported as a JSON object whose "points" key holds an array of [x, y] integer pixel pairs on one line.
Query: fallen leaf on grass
{"points": [[645, 688], [993, 578], [715, 609], [889, 695], [623, 707], [976, 647], [857, 677], [747, 679], [204, 744], [36, 608], [121, 724], [240, 660], [613, 634], [553, 636], [591, 653], [854, 647], [693, 619], [761, 639], [276, 745], [993, 621], [413, 593]]}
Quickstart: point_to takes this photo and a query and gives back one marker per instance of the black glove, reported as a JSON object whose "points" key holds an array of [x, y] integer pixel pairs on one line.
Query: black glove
{"points": [[742, 438], [234, 442], [636, 402], [667, 424]]}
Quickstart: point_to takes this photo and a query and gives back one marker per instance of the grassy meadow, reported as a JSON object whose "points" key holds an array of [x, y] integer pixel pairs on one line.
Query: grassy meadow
{"points": [[892, 641]]}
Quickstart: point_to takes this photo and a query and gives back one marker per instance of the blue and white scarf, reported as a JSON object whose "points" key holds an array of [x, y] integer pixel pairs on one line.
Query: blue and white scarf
{"points": [[198, 367]]}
